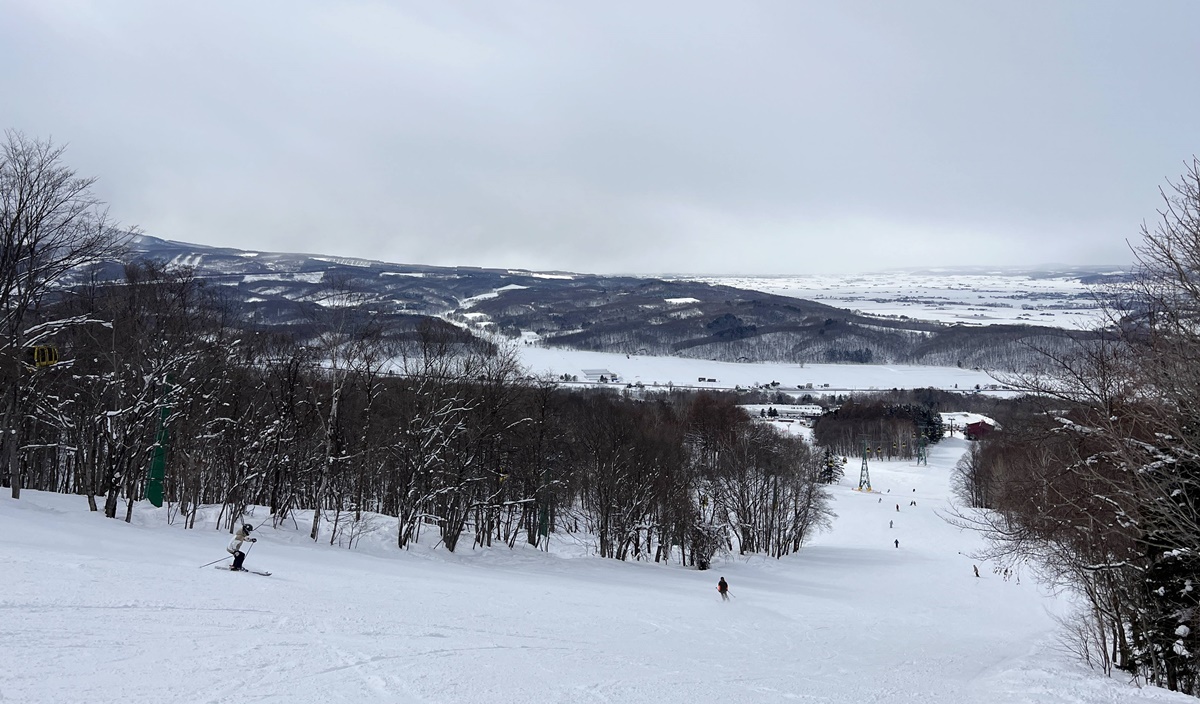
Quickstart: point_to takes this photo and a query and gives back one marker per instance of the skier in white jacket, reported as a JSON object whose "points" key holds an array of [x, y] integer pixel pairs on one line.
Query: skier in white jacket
{"points": [[235, 546]]}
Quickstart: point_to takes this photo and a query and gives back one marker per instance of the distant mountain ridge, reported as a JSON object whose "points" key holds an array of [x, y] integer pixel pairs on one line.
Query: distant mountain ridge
{"points": [[626, 314]]}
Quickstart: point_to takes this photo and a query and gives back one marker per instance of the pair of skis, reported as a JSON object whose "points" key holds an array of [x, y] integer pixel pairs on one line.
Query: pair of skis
{"points": [[230, 569]]}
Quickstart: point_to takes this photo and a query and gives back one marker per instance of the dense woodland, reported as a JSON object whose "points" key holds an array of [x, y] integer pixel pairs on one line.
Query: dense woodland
{"points": [[818, 340], [872, 427]]}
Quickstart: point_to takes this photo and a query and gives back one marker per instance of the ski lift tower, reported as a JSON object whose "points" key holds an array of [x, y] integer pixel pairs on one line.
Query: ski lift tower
{"points": [[864, 475], [922, 455]]}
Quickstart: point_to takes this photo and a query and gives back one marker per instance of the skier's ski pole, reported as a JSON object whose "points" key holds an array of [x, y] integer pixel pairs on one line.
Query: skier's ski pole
{"points": [[216, 561], [225, 558]]}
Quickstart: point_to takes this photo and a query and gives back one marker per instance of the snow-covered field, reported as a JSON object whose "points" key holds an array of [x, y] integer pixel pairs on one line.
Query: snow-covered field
{"points": [[686, 372], [96, 610], [977, 298]]}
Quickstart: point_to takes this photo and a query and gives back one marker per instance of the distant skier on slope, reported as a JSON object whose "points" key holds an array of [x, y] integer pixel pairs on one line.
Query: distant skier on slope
{"points": [[723, 587], [235, 546]]}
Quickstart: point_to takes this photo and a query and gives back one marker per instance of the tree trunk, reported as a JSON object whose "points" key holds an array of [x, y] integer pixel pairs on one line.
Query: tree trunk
{"points": [[13, 437]]}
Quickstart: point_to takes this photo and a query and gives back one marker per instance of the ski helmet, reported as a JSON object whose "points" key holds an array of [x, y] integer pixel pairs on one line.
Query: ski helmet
{"points": [[247, 528]]}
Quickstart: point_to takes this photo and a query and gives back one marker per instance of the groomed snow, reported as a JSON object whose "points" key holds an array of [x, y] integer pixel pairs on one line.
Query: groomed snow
{"points": [[96, 610]]}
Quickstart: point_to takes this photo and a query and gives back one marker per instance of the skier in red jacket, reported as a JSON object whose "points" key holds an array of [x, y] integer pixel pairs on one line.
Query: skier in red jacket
{"points": [[723, 587]]}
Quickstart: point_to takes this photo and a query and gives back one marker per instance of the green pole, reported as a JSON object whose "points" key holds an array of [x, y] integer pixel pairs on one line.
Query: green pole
{"points": [[544, 513], [158, 458]]}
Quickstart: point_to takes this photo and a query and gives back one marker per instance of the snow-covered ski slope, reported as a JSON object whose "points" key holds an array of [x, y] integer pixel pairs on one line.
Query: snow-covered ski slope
{"points": [[102, 611]]}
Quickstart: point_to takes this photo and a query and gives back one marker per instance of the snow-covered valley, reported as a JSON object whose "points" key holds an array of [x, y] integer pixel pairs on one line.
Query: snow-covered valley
{"points": [[101, 611], [685, 372]]}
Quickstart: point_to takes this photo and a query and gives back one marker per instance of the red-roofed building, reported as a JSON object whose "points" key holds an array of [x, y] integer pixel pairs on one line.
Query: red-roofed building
{"points": [[978, 429]]}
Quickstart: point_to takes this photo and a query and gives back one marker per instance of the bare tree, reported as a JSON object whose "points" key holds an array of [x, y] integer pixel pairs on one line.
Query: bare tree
{"points": [[50, 223], [349, 343], [1103, 492]]}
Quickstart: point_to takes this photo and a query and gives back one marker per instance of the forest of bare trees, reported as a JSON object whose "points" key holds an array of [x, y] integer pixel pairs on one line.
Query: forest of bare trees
{"points": [[352, 418]]}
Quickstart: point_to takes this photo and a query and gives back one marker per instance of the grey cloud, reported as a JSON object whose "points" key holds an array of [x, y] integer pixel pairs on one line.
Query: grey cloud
{"points": [[766, 137]]}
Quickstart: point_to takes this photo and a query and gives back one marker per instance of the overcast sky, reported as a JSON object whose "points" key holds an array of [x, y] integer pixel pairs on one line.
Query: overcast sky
{"points": [[641, 137]]}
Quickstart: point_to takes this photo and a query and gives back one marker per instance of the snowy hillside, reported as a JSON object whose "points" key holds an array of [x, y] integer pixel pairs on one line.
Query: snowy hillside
{"points": [[756, 319], [99, 611]]}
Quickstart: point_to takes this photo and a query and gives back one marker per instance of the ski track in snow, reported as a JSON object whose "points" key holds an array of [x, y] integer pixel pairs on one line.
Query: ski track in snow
{"points": [[102, 611]]}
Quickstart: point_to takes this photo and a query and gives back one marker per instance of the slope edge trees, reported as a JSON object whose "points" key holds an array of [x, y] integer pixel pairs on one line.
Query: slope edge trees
{"points": [[443, 433], [50, 223], [1100, 487]]}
